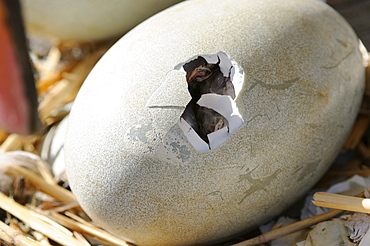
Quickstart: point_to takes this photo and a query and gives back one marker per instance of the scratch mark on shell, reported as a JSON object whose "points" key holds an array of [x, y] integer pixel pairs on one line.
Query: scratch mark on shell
{"points": [[257, 183], [340, 61], [282, 86]]}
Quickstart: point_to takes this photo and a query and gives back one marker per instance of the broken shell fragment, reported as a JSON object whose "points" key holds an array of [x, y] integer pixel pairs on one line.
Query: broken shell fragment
{"points": [[222, 105], [211, 115], [329, 233], [142, 172]]}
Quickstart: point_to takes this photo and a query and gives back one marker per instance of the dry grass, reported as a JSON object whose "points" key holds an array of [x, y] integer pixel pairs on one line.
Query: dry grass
{"points": [[57, 217]]}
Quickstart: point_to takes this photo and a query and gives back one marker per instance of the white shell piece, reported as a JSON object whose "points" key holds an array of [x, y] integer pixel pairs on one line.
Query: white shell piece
{"points": [[217, 138], [213, 59], [193, 137], [358, 226], [225, 106], [366, 239], [225, 64], [237, 77], [329, 233], [229, 67]]}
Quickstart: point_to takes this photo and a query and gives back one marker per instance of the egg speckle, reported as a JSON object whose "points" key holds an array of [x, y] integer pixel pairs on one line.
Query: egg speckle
{"points": [[302, 85]]}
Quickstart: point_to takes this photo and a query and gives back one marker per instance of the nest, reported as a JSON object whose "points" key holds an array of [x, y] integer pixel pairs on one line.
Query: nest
{"points": [[37, 208]]}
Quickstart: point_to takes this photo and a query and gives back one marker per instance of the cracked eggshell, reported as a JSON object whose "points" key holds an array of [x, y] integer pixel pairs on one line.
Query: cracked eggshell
{"points": [[136, 174], [87, 20]]}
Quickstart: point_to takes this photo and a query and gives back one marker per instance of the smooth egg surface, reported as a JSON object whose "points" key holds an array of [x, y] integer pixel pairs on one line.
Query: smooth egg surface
{"points": [[137, 171], [87, 20]]}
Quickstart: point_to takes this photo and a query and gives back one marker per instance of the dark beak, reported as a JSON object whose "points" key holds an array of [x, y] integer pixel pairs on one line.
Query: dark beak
{"points": [[18, 96]]}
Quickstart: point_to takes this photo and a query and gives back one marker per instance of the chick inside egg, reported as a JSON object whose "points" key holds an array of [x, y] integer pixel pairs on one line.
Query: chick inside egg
{"points": [[211, 116]]}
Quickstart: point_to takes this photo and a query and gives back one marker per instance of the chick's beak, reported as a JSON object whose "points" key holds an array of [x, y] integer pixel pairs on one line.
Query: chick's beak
{"points": [[18, 96]]}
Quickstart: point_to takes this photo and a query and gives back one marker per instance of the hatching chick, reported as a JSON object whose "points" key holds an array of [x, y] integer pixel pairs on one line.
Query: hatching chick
{"points": [[204, 78]]}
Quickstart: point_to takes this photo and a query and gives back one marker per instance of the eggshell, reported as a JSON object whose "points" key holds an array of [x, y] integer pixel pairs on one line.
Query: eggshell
{"points": [[87, 20], [135, 172], [53, 147]]}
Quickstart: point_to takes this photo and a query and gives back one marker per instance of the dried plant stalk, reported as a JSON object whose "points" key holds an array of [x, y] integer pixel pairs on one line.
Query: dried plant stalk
{"points": [[45, 172], [81, 238], [52, 61], [44, 241], [342, 202], [14, 237], [358, 131], [88, 228], [3, 135], [44, 84], [53, 190], [38, 223], [64, 207], [13, 142], [66, 90], [272, 235]]}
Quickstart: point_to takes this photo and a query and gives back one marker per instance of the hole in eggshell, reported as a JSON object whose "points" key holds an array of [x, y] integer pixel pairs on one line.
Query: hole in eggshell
{"points": [[214, 82]]}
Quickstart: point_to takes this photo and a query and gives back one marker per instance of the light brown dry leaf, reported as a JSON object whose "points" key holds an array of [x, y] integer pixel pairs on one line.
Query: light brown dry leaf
{"points": [[38, 222], [53, 190], [88, 228], [15, 237], [66, 90]]}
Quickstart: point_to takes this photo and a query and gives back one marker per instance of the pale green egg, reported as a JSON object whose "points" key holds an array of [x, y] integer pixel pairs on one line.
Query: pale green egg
{"points": [[87, 20]]}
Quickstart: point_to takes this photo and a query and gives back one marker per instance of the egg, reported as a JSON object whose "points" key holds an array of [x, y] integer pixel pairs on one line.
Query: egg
{"points": [[87, 20], [53, 148], [212, 117]]}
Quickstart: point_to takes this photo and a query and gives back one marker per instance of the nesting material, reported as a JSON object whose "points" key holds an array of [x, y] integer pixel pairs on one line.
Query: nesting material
{"points": [[329, 233], [337, 201]]}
